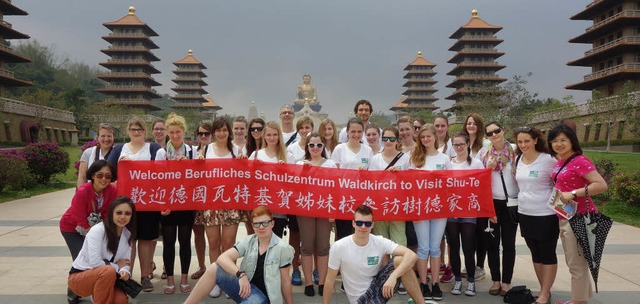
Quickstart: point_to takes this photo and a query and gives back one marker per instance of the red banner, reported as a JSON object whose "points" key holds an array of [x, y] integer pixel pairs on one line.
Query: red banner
{"points": [[305, 190]]}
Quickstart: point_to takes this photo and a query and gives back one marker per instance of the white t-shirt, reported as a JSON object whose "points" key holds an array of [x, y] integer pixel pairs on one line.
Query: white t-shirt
{"points": [[89, 156], [378, 163], [143, 154], [475, 164], [262, 156], [327, 164], [287, 136], [297, 153], [346, 159], [496, 181], [450, 152], [536, 185], [435, 162], [237, 148], [211, 152], [343, 137], [358, 265]]}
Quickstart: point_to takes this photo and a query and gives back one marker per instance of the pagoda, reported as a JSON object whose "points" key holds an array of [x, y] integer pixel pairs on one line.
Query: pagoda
{"points": [[419, 93], [475, 60], [615, 43], [7, 78], [130, 69], [189, 83], [210, 106]]}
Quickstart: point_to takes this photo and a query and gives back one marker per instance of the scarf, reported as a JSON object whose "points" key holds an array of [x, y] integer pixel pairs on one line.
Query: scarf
{"points": [[172, 153], [506, 155]]}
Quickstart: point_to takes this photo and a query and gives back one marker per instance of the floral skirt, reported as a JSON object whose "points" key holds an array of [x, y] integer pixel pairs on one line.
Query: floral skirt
{"points": [[220, 217]]}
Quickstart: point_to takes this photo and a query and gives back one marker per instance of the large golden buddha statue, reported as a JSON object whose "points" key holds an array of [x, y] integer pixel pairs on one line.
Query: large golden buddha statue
{"points": [[306, 91]]}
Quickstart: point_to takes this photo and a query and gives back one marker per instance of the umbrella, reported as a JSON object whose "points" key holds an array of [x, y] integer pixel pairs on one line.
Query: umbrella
{"points": [[591, 230]]}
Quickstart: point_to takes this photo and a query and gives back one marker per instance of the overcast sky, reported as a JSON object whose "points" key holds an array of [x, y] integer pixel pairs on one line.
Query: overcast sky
{"points": [[259, 50]]}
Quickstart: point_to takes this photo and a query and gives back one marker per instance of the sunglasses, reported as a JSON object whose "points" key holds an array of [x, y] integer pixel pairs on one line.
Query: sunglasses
{"points": [[263, 224], [127, 213], [417, 128], [391, 139], [523, 129], [365, 223], [256, 129], [494, 132], [207, 134], [101, 175], [312, 145]]}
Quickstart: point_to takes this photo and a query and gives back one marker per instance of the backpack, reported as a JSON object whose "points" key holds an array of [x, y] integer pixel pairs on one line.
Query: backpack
{"points": [[519, 295]]}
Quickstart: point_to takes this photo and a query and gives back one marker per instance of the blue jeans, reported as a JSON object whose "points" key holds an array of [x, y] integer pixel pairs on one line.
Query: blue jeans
{"points": [[229, 284], [429, 233]]}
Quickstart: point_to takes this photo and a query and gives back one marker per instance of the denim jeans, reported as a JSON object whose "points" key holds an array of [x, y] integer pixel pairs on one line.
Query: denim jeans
{"points": [[429, 233], [229, 284]]}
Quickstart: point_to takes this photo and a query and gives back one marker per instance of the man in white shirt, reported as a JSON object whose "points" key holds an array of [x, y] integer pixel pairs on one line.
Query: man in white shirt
{"points": [[359, 258], [289, 134]]}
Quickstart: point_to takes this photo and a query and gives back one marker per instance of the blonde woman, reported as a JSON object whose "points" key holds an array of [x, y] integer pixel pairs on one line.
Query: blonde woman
{"points": [[407, 132], [329, 135]]}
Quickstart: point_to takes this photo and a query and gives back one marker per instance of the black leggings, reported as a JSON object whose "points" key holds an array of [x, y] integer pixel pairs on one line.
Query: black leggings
{"points": [[183, 233], [467, 231], [481, 247], [504, 231], [343, 228]]}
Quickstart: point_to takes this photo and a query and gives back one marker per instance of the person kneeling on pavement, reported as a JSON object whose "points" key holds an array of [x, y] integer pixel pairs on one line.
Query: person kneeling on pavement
{"points": [[263, 275], [359, 258]]}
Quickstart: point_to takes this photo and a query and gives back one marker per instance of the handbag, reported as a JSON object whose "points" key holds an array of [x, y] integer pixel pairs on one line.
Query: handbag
{"points": [[519, 295], [130, 287]]}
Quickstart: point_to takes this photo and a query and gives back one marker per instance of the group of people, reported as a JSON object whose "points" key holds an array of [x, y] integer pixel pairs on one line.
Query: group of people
{"points": [[403, 257]]}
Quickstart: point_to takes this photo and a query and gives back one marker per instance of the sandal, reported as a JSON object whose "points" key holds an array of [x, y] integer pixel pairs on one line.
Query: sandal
{"points": [[198, 274], [169, 289], [185, 288], [164, 274]]}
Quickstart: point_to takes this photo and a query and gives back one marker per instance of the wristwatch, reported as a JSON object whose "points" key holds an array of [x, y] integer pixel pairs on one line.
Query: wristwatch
{"points": [[574, 193], [240, 273]]}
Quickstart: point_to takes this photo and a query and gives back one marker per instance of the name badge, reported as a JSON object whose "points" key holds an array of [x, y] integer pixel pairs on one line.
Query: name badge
{"points": [[364, 160], [440, 166], [373, 260], [533, 173]]}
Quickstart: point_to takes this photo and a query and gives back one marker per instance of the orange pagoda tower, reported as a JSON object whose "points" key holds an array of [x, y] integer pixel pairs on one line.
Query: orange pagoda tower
{"points": [[615, 42], [189, 82], [419, 93], [475, 60], [130, 81], [7, 78]]}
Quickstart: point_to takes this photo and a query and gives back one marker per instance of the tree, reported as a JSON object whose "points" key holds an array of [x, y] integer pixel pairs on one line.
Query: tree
{"points": [[606, 110], [380, 119]]}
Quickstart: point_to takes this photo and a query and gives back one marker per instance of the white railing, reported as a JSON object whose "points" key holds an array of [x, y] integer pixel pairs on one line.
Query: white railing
{"points": [[118, 60], [612, 70], [128, 47], [611, 44], [33, 110], [478, 50], [479, 37], [116, 74], [625, 13], [117, 34], [475, 63]]}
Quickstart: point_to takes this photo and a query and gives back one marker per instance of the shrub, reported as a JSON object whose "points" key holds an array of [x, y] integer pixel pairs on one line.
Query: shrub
{"points": [[86, 146], [14, 172], [626, 188], [607, 169], [46, 159]]}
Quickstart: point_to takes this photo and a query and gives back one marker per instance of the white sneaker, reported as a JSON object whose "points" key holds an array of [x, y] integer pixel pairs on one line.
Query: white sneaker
{"points": [[457, 288], [401, 289], [479, 275], [215, 292], [471, 289]]}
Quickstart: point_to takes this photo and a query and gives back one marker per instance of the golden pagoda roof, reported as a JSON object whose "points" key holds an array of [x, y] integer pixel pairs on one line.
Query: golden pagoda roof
{"points": [[190, 59], [475, 23], [421, 61], [131, 20], [399, 105], [210, 103]]}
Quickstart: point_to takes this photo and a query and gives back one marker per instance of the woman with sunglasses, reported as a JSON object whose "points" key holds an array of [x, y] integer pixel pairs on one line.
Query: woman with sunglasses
{"points": [[329, 135], [462, 228], [205, 129], [177, 224], [372, 133], [254, 142], [93, 197], [574, 174], [104, 257], [500, 157], [426, 156], [314, 232], [240, 128], [406, 129], [221, 226], [538, 223], [351, 155], [100, 151], [393, 160], [148, 222]]}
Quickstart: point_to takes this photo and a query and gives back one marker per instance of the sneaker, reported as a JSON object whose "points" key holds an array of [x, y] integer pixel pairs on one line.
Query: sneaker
{"points": [[401, 289], [457, 288], [309, 291], [296, 277], [316, 277], [436, 292], [447, 276], [215, 292], [426, 292], [147, 286], [479, 275], [471, 289]]}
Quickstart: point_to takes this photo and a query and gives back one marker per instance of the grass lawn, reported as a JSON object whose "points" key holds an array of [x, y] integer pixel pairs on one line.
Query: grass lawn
{"points": [[627, 162], [58, 182]]}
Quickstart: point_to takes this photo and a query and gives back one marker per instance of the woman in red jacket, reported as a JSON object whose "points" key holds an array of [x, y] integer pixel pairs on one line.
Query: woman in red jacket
{"points": [[91, 199]]}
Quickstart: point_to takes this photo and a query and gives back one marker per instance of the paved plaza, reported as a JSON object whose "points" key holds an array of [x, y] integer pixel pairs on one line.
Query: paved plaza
{"points": [[34, 262]]}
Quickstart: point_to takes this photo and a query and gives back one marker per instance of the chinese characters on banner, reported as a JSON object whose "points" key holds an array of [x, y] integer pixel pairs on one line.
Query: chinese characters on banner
{"points": [[305, 190]]}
